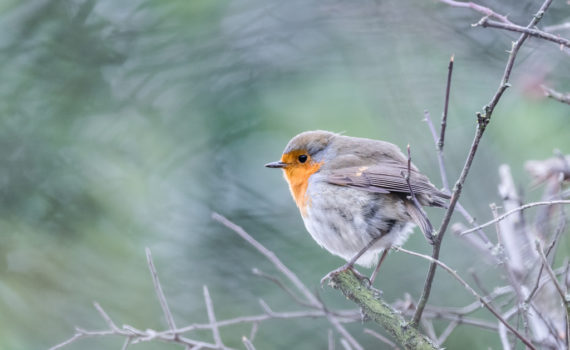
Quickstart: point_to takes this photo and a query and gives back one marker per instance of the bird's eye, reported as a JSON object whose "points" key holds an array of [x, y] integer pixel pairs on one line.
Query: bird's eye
{"points": [[302, 158]]}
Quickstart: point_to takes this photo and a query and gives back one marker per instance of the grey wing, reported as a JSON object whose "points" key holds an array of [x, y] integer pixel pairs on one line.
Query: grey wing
{"points": [[388, 177]]}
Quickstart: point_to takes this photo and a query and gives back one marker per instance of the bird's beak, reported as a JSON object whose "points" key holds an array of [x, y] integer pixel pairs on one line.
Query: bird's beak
{"points": [[276, 165]]}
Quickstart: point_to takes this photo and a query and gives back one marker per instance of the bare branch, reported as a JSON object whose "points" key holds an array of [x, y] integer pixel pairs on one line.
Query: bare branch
{"points": [[472, 291], [486, 22], [280, 284], [516, 210], [447, 332], [555, 95], [382, 338], [212, 318], [270, 256], [158, 290], [481, 9], [441, 141], [248, 344], [558, 287], [289, 274], [106, 317], [440, 159]]}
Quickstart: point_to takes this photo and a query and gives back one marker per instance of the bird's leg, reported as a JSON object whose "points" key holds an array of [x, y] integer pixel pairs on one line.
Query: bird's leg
{"points": [[350, 263], [375, 273]]}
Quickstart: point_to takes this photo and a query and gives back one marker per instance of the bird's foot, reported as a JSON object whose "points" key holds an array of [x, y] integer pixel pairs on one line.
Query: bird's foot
{"points": [[343, 268]]}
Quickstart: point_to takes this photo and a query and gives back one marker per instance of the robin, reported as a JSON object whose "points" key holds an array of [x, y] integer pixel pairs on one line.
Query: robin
{"points": [[354, 196]]}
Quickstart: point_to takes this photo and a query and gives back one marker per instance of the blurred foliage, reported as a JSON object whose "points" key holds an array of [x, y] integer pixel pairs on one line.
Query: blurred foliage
{"points": [[124, 124]]}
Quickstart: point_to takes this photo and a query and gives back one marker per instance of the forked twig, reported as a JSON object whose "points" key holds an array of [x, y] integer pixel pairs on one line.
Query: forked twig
{"points": [[485, 303]]}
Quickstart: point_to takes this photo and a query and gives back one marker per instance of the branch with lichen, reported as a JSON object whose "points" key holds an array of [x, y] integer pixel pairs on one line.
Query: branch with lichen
{"points": [[380, 312]]}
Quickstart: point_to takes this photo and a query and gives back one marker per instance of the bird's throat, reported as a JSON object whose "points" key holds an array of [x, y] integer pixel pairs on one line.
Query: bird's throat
{"points": [[298, 179]]}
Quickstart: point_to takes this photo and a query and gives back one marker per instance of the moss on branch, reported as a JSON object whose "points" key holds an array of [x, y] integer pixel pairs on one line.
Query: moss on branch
{"points": [[380, 312]]}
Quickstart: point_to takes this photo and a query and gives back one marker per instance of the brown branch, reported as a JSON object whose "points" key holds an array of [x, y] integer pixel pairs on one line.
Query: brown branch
{"points": [[482, 122], [441, 141]]}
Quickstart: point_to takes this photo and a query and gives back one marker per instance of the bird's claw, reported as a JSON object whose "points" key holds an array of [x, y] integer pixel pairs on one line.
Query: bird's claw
{"points": [[343, 268]]}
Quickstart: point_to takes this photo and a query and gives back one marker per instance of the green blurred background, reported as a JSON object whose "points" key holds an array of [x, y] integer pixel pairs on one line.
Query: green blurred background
{"points": [[124, 124]]}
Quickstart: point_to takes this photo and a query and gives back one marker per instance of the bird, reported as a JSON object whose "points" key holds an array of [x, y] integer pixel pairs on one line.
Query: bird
{"points": [[357, 197]]}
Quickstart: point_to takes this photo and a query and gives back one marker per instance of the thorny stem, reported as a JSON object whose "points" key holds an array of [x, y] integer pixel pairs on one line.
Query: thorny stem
{"points": [[482, 122]]}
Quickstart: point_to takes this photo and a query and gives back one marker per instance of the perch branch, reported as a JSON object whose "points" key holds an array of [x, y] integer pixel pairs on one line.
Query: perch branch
{"points": [[380, 312]]}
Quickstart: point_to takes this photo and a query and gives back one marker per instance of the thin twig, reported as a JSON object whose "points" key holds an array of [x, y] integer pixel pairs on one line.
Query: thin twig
{"points": [[382, 338], [269, 255], [253, 332], [446, 332], [441, 141], [555, 95], [158, 290], [345, 344], [481, 9], [559, 288], [421, 211], [247, 343], [105, 316], [444, 180], [440, 159], [126, 343], [290, 275], [212, 318], [556, 27], [331, 339], [513, 211], [472, 291], [280, 284]]}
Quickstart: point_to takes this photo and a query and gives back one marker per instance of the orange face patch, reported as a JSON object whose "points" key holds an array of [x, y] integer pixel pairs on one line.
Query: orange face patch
{"points": [[297, 174]]}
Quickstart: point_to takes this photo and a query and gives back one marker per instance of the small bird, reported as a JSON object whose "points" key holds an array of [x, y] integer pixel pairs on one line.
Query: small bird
{"points": [[353, 195]]}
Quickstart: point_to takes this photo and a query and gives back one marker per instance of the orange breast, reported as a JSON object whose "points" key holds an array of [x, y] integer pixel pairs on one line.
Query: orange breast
{"points": [[298, 178]]}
